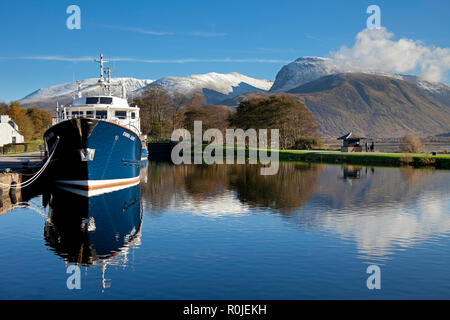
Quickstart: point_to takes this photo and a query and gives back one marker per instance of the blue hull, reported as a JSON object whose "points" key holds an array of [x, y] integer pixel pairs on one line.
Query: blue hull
{"points": [[92, 154], [101, 226]]}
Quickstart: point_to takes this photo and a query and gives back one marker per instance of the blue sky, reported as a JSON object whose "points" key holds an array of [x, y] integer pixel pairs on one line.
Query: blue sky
{"points": [[179, 38]]}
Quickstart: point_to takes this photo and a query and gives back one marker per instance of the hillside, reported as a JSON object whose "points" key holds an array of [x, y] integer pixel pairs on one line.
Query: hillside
{"points": [[307, 69], [370, 105], [373, 105], [301, 71]]}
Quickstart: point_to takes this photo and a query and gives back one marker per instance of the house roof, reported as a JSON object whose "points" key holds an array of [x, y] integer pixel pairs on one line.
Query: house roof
{"points": [[351, 136]]}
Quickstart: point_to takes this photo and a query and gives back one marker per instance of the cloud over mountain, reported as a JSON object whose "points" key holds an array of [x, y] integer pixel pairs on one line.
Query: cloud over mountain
{"points": [[376, 50]]}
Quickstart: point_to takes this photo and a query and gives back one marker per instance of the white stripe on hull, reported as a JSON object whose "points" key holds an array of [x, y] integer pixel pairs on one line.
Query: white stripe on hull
{"points": [[93, 193], [96, 187], [88, 183]]}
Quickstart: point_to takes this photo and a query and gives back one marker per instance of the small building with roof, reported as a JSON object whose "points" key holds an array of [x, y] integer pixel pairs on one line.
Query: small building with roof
{"points": [[9, 131], [351, 142]]}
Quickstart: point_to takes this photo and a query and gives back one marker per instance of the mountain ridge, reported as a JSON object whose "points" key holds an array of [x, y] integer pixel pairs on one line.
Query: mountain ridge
{"points": [[373, 105], [307, 69], [214, 86], [367, 104]]}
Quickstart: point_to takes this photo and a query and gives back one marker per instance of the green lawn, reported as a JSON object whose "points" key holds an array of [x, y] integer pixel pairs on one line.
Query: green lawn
{"points": [[389, 159], [33, 146], [441, 161]]}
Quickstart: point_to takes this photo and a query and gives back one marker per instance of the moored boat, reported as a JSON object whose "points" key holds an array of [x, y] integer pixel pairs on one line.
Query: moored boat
{"points": [[96, 142]]}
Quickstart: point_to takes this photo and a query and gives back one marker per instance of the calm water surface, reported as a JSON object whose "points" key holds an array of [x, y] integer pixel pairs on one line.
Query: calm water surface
{"points": [[225, 232]]}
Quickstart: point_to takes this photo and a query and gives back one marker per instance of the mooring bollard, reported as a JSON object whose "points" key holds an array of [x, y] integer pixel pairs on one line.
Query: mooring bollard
{"points": [[12, 192]]}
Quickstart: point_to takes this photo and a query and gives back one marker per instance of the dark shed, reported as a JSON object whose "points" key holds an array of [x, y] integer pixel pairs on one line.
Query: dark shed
{"points": [[351, 142]]}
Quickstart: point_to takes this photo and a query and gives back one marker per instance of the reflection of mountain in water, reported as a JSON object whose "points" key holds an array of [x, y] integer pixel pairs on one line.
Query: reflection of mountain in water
{"points": [[94, 230]]}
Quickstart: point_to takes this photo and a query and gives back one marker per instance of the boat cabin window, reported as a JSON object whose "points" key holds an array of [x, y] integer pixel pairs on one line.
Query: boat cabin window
{"points": [[133, 115], [106, 100], [101, 100], [121, 114], [77, 113], [90, 114], [101, 114], [91, 100]]}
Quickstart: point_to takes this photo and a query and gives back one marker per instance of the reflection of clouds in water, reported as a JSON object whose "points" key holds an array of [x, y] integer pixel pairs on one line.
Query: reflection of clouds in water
{"points": [[379, 232], [225, 204]]}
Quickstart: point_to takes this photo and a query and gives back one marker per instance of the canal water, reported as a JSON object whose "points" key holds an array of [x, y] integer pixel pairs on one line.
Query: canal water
{"points": [[226, 232]]}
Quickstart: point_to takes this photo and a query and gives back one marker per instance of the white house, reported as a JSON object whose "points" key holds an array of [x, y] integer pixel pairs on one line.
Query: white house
{"points": [[9, 131]]}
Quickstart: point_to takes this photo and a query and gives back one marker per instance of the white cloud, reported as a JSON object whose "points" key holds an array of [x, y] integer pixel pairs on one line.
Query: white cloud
{"points": [[375, 50], [380, 232], [205, 34], [140, 30], [57, 58]]}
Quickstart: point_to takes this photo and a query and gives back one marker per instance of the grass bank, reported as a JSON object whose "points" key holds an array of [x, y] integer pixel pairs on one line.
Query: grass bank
{"points": [[27, 147], [440, 161]]}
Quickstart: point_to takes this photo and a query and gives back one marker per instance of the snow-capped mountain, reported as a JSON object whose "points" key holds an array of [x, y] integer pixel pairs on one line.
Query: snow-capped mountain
{"points": [[307, 69], [439, 91], [301, 71], [71, 88], [215, 87]]}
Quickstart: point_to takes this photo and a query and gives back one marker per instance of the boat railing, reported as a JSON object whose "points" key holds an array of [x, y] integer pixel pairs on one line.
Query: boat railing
{"points": [[132, 124]]}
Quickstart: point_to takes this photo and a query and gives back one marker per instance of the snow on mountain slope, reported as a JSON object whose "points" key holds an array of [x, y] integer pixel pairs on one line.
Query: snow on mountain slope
{"points": [[71, 88], [303, 70], [307, 69], [215, 87]]}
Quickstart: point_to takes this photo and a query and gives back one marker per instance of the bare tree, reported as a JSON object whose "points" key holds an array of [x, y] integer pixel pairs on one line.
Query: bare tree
{"points": [[179, 101], [156, 107]]}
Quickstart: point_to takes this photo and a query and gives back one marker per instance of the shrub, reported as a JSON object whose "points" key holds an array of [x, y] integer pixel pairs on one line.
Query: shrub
{"points": [[411, 143], [307, 143]]}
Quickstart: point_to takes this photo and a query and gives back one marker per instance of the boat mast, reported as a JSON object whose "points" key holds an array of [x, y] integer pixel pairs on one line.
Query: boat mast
{"points": [[101, 81], [79, 89], [101, 67], [108, 81]]}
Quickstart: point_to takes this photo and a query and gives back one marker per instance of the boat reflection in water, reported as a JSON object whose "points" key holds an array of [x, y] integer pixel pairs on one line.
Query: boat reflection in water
{"points": [[94, 231]]}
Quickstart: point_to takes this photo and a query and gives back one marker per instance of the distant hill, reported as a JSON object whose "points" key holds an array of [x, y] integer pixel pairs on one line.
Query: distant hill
{"points": [[301, 71], [46, 98], [373, 105], [307, 69], [367, 104], [215, 87]]}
